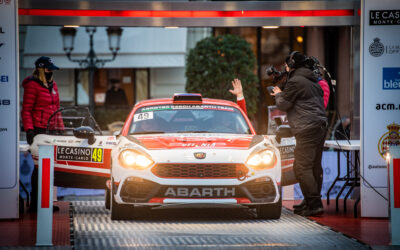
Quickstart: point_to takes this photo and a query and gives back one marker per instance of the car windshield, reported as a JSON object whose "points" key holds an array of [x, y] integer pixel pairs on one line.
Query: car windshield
{"points": [[188, 118]]}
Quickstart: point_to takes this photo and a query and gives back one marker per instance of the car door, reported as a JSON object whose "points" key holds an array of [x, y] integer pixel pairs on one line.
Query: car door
{"points": [[79, 161], [286, 150], [76, 162], [278, 128]]}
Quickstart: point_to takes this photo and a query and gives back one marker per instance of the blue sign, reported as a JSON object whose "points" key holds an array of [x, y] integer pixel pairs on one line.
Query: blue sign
{"points": [[5, 102], [391, 78], [3, 78]]}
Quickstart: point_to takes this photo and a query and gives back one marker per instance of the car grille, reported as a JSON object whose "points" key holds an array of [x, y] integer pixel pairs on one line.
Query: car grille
{"points": [[200, 170]]}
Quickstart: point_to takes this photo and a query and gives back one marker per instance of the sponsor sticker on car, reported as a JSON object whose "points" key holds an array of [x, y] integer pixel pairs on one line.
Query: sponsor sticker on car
{"points": [[187, 106], [286, 152], [81, 154], [143, 116]]}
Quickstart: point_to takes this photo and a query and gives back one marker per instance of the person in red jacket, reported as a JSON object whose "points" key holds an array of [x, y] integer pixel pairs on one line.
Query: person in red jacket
{"points": [[320, 71], [325, 87], [40, 101]]}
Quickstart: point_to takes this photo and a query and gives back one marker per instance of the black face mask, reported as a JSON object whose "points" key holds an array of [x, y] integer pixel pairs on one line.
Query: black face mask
{"points": [[48, 75]]}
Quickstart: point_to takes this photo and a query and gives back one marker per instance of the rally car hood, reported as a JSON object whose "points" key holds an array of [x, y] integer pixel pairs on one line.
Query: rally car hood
{"points": [[176, 141]]}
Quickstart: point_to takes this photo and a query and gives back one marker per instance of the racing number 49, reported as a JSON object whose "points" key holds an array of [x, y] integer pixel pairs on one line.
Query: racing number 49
{"points": [[97, 155]]}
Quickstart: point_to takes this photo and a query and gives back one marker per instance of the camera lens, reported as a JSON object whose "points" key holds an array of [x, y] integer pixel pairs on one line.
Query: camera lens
{"points": [[270, 70]]}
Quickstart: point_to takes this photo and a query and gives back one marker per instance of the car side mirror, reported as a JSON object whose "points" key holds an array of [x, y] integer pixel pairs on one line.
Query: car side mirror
{"points": [[283, 131], [85, 132]]}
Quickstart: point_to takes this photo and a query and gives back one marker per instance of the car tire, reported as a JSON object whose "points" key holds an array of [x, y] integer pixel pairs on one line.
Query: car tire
{"points": [[120, 211], [107, 200], [270, 211]]}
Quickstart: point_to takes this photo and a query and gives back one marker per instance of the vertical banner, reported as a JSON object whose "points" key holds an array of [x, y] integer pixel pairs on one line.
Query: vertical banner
{"points": [[394, 179], [9, 115], [380, 99], [44, 227]]}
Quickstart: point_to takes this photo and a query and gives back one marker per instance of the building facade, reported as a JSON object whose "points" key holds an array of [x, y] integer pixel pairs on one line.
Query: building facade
{"points": [[151, 62]]}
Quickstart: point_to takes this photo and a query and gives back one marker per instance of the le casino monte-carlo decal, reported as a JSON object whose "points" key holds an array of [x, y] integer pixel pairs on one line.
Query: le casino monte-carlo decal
{"points": [[388, 139]]}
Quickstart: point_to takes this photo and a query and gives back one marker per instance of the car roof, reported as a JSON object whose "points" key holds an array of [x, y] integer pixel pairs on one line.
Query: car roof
{"points": [[163, 101], [206, 101]]}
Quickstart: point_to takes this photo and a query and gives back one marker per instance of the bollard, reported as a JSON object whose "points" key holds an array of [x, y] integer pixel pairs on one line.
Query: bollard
{"points": [[394, 204], [44, 228]]}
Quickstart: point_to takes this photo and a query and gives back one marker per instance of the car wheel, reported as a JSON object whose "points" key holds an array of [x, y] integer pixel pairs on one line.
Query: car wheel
{"points": [[120, 211], [107, 201], [270, 211]]}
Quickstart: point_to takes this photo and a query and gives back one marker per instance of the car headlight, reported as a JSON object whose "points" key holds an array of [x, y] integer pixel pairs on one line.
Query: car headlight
{"points": [[133, 159], [262, 160]]}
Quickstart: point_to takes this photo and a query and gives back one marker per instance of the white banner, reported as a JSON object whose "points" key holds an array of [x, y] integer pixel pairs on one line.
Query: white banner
{"points": [[9, 115], [394, 170], [380, 99]]}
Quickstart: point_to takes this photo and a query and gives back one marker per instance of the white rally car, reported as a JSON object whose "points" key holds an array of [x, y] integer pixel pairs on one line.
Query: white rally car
{"points": [[185, 150]]}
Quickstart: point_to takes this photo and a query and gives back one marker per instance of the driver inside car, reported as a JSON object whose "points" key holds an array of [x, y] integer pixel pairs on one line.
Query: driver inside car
{"points": [[151, 125], [184, 121], [223, 122]]}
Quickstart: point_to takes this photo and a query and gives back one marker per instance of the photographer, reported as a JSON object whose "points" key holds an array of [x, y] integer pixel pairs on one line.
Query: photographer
{"points": [[302, 99]]}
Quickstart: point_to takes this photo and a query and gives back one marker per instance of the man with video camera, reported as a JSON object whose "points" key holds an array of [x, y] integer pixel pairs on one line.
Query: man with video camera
{"points": [[302, 100]]}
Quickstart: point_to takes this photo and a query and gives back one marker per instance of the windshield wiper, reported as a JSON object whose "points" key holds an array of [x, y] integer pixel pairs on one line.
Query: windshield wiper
{"points": [[147, 132]]}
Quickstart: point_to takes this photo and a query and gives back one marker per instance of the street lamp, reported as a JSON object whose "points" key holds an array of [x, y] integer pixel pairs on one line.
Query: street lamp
{"points": [[91, 62]]}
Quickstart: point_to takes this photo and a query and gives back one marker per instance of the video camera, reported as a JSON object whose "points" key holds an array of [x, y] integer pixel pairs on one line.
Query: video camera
{"points": [[313, 64], [277, 75]]}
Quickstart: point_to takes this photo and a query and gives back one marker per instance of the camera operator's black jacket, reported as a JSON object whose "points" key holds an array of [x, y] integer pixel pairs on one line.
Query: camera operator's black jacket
{"points": [[302, 99]]}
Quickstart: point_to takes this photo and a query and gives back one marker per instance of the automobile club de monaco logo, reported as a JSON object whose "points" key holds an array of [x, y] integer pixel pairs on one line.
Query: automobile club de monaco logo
{"points": [[376, 48], [390, 138], [199, 155]]}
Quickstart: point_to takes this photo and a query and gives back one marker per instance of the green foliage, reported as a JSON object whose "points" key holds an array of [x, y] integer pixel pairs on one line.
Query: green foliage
{"points": [[215, 62]]}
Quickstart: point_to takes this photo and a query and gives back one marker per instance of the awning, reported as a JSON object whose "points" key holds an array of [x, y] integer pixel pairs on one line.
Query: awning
{"points": [[189, 13]]}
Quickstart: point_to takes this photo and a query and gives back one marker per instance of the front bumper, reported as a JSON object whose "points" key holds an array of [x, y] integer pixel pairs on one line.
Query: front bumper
{"points": [[141, 191]]}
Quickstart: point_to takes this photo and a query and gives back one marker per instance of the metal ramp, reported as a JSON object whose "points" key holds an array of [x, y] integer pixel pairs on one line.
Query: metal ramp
{"points": [[218, 228]]}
